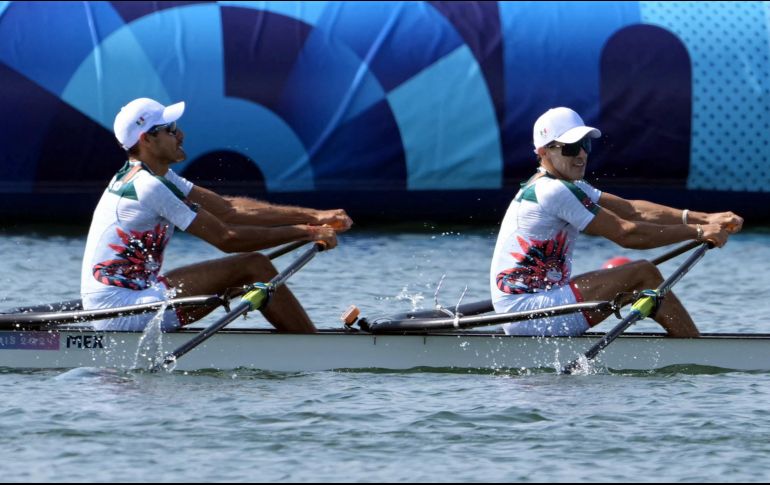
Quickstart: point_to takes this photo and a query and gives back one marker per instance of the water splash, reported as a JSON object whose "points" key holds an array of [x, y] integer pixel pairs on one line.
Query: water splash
{"points": [[584, 367], [414, 298], [149, 349]]}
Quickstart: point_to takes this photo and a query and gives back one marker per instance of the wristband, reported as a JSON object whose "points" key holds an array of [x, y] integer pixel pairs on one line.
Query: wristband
{"points": [[684, 216]]}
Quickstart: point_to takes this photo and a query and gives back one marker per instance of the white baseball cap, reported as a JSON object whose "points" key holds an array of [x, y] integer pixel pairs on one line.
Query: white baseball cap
{"points": [[562, 125], [140, 115]]}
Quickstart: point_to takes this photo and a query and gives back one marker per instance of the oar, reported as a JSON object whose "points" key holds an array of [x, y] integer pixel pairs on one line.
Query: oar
{"points": [[287, 248], [422, 325], [641, 309], [254, 299], [32, 316], [485, 306], [14, 320], [675, 252]]}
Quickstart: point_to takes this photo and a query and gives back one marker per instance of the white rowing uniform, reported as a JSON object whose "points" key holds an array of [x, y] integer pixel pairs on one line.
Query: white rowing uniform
{"points": [[131, 227], [532, 263]]}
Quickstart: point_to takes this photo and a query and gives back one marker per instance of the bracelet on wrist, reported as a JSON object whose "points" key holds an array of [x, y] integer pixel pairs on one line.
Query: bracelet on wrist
{"points": [[699, 236], [684, 216]]}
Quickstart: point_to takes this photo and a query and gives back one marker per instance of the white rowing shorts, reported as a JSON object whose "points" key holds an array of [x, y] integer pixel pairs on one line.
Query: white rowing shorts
{"points": [[118, 297], [570, 325]]}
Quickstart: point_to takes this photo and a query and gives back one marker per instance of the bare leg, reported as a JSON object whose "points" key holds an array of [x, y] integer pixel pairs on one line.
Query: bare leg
{"points": [[639, 275], [214, 277]]}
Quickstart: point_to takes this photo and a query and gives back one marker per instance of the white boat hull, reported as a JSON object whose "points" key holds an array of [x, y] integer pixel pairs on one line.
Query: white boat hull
{"points": [[265, 350]]}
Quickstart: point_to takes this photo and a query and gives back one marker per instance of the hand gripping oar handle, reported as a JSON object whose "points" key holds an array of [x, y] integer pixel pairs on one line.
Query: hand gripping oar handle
{"points": [[642, 308], [254, 299]]}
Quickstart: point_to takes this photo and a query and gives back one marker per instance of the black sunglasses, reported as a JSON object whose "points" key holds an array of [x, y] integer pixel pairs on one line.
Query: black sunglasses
{"points": [[573, 149], [169, 127]]}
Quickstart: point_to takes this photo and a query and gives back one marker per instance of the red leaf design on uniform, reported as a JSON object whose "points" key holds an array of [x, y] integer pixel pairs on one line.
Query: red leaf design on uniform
{"points": [[542, 266]]}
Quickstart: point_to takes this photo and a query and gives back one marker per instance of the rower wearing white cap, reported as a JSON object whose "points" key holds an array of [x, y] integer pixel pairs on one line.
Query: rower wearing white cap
{"points": [[145, 200], [532, 263]]}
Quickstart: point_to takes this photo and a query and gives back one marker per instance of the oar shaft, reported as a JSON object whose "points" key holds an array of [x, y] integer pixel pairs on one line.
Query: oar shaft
{"points": [[610, 336], [636, 314], [38, 318], [236, 312], [466, 309], [485, 306], [242, 307], [421, 325], [675, 252], [75, 313], [278, 252], [295, 266], [682, 270]]}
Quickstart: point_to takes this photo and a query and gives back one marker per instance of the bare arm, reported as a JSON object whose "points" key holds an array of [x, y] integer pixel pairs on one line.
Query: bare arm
{"points": [[235, 238], [642, 210], [647, 235], [646, 211], [243, 210]]}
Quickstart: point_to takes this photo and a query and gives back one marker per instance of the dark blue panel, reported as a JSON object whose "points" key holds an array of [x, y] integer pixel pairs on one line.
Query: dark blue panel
{"points": [[77, 150], [552, 54], [260, 49], [397, 39], [646, 107], [21, 136], [225, 167], [367, 148], [47, 41], [133, 10], [59, 144], [479, 25]]}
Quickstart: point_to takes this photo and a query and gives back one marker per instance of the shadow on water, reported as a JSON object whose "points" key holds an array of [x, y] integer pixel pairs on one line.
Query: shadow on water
{"points": [[450, 370], [238, 373], [682, 369], [84, 373]]}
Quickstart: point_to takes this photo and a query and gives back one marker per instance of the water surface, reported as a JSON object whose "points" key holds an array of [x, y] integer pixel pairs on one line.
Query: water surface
{"points": [[678, 424]]}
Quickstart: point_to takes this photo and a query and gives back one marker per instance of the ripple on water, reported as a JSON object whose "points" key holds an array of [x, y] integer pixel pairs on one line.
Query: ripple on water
{"points": [[680, 423]]}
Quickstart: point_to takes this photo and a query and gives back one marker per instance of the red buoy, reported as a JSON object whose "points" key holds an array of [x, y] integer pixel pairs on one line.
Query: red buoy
{"points": [[615, 262]]}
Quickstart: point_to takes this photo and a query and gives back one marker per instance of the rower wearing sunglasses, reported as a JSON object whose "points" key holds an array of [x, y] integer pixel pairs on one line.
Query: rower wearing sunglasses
{"points": [[146, 200], [532, 262]]}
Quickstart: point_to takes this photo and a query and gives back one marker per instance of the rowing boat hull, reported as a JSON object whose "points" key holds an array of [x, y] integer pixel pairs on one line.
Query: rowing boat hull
{"points": [[327, 350]]}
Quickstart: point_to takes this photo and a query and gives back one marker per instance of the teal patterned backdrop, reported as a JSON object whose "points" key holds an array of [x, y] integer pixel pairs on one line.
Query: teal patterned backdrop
{"points": [[387, 106]]}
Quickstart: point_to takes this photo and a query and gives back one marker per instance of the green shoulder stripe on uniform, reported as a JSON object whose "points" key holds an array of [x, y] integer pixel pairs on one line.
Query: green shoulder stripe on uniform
{"points": [[527, 193], [173, 188], [582, 197], [122, 183], [527, 190]]}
